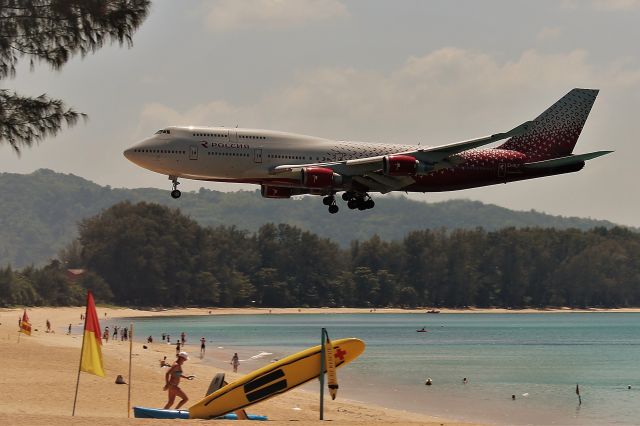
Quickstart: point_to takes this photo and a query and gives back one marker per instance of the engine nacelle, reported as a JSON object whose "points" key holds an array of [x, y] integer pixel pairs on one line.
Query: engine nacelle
{"points": [[399, 165], [276, 191], [319, 177]]}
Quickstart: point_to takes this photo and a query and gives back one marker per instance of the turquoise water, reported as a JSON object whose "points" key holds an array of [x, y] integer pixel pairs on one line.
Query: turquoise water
{"points": [[537, 357]]}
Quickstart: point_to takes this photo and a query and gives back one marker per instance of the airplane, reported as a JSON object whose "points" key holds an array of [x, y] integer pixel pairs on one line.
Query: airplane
{"points": [[288, 164]]}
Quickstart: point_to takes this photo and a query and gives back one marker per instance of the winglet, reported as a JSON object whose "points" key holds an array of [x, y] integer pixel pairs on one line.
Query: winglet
{"points": [[435, 154]]}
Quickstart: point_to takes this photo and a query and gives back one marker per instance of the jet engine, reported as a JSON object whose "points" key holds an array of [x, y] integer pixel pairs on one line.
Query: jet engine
{"points": [[276, 191], [319, 177], [399, 165], [404, 165]]}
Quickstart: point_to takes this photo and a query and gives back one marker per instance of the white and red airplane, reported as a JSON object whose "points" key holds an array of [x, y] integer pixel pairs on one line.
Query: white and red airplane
{"points": [[286, 164]]}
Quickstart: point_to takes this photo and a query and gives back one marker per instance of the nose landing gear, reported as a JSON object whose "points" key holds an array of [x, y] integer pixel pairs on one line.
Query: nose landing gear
{"points": [[175, 193]]}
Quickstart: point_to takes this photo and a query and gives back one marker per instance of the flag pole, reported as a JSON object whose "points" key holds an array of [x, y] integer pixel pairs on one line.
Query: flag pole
{"points": [[75, 398], [129, 381], [322, 362]]}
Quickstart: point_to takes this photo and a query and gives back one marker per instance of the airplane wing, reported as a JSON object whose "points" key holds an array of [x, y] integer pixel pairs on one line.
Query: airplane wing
{"points": [[368, 171]]}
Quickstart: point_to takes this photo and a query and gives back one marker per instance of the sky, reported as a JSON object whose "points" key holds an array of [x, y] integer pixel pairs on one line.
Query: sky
{"points": [[402, 71]]}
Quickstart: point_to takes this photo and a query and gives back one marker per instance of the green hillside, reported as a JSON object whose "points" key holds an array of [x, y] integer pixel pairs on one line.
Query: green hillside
{"points": [[40, 212]]}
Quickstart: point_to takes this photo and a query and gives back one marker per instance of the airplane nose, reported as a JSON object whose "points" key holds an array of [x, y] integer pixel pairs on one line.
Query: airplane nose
{"points": [[128, 153]]}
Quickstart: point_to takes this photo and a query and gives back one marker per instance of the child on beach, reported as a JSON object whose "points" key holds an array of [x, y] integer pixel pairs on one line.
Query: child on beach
{"points": [[172, 382], [164, 363]]}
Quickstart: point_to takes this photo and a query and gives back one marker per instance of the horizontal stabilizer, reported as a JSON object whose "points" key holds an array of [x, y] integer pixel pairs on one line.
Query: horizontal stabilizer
{"points": [[565, 161]]}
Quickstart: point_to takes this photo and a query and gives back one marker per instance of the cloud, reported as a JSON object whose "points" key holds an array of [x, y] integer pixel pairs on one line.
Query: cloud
{"points": [[549, 33], [449, 95], [231, 15], [443, 96], [610, 5], [616, 5]]}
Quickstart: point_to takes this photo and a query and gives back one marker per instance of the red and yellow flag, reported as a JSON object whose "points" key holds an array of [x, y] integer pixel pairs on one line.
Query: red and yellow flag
{"points": [[91, 343], [25, 325]]}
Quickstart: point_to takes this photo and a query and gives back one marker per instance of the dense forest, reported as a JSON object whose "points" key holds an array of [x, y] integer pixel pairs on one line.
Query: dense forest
{"points": [[149, 255], [41, 216]]}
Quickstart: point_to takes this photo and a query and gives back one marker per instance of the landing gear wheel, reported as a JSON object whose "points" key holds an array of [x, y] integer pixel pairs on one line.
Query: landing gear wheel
{"points": [[347, 195], [369, 204], [176, 193], [328, 200], [333, 208], [352, 204]]}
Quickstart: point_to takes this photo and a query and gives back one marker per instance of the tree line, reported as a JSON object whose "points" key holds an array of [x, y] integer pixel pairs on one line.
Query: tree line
{"points": [[149, 255]]}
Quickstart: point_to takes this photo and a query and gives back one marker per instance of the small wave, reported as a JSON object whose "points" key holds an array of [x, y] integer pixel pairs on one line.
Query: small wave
{"points": [[258, 356]]}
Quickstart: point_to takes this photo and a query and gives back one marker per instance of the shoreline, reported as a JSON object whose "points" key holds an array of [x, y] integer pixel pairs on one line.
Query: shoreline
{"points": [[115, 312], [42, 377]]}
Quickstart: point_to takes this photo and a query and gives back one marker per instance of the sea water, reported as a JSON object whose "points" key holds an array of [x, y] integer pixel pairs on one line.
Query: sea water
{"points": [[539, 358]]}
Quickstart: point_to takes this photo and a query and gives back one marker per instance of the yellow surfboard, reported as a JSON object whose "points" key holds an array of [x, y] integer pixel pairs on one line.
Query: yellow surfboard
{"points": [[273, 379]]}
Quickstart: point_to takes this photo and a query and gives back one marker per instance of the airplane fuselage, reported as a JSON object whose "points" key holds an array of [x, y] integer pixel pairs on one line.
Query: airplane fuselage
{"points": [[249, 155]]}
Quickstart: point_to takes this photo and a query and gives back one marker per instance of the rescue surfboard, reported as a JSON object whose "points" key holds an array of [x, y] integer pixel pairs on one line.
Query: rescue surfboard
{"points": [[159, 413], [273, 379]]}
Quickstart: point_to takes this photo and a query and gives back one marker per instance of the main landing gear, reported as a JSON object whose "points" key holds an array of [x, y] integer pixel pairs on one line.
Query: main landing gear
{"points": [[355, 200], [330, 200], [360, 201], [175, 193]]}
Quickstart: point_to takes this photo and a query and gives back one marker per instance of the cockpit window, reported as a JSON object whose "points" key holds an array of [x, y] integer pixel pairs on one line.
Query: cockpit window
{"points": [[165, 131]]}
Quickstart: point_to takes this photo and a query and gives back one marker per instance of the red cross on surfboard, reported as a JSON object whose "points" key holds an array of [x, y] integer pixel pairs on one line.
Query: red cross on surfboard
{"points": [[340, 354]]}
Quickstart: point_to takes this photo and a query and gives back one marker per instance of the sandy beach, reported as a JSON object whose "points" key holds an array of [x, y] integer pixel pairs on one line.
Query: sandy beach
{"points": [[41, 370], [40, 375]]}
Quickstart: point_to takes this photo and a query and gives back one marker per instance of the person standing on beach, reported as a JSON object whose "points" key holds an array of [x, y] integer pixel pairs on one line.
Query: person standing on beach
{"points": [[235, 361], [69, 329], [48, 327], [178, 347], [172, 382], [115, 332], [202, 346], [183, 338]]}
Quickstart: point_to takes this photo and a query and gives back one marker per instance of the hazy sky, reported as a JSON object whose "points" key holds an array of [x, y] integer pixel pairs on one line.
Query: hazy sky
{"points": [[383, 71]]}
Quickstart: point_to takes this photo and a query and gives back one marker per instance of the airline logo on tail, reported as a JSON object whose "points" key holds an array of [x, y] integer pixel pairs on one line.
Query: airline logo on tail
{"points": [[557, 129]]}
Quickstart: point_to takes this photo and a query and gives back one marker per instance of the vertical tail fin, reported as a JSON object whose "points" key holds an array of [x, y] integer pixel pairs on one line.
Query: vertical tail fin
{"points": [[557, 129]]}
